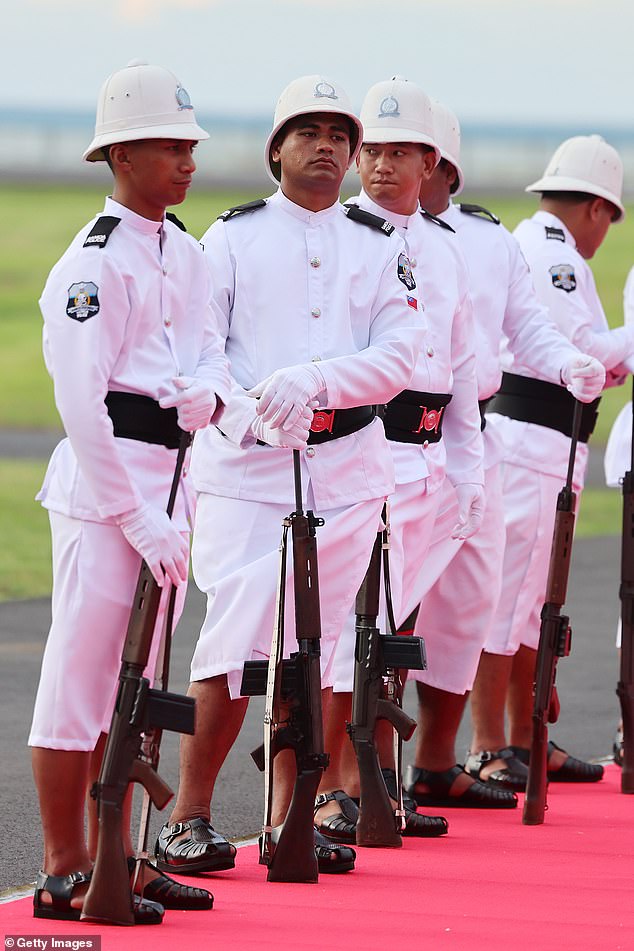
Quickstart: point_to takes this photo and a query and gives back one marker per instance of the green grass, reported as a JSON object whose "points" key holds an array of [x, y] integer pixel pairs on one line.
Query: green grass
{"points": [[40, 221], [25, 555]]}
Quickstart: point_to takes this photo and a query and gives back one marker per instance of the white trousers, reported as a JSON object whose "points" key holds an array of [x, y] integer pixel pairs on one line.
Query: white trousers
{"points": [[95, 572], [412, 517], [236, 563], [463, 582], [530, 500]]}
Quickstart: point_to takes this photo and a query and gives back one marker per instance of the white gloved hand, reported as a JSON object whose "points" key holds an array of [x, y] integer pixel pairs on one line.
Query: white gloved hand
{"points": [[471, 504], [151, 533], [285, 394], [584, 377], [286, 437], [194, 401]]}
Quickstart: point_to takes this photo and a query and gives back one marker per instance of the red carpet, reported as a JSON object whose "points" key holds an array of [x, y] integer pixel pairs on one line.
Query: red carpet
{"points": [[492, 883]]}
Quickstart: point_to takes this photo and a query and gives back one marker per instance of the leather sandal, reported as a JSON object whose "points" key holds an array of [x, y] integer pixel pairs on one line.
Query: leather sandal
{"points": [[61, 888], [440, 784], [333, 859], [416, 825], [170, 893], [342, 826], [513, 775], [618, 751], [204, 850], [389, 778], [572, 770]]}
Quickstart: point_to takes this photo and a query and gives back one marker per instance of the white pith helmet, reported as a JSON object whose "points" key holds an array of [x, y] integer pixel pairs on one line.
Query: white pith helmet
{"points": [[142, 102], [398, 111], [585, 163], [303, 96], [447, 132]]}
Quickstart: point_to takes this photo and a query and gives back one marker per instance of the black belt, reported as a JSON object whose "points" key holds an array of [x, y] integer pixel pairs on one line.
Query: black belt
{"points": [[140, 417], [331, 424], [546, 404], [415, 417]]}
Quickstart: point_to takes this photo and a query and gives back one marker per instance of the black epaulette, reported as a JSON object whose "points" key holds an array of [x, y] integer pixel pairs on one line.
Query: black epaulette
{"points": [[101, 231], [367, 218], [175, 221], [479, 210], [240, 209], [437, 221], [555, 234]]}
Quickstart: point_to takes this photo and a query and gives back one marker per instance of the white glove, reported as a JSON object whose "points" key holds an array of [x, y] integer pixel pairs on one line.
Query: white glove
{"points": [[285, 394], [195, 402], [584, 377], [471, 504], [288, 437], [151, 533]]}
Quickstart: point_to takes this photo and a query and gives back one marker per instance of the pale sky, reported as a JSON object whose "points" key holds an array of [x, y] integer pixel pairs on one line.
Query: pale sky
{"points": [[512, 61]]}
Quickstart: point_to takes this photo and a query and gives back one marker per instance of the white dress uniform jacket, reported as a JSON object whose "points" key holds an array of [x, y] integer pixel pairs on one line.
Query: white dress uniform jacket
{"points": [[148, 317], [618, 452], [295, 286]]}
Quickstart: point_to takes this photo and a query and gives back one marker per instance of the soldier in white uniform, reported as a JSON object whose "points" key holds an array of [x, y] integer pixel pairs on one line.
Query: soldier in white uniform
{"points": [[314, 298], [581, 197], [455, 627], [433, 427], [133, 346]]}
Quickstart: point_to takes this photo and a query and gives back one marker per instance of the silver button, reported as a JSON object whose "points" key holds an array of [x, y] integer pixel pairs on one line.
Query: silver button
{"points": [[316, 359], [426, 444], [184, 473], [316, 312], [165, 269], [430, 351], [315, 262], [167, 322], [412, 261], [310, 452]]}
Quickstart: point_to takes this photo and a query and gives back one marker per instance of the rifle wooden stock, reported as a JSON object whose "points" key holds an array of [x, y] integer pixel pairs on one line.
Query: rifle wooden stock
{"points": [[625, 686], [375, 655], [138, 709], [554, 641]]}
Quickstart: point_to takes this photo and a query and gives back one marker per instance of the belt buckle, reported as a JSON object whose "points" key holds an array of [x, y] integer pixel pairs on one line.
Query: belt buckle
{"points": [[429, 420], [323, 421]]}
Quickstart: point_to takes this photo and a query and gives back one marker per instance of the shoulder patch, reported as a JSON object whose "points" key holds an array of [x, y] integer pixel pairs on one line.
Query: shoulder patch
{"points": [[437, 221], [563, 277], [101, 231], [83, 301], [241, 209], [555, 234], [175, 221], [467, 209], [367, 218], [404, 272]]}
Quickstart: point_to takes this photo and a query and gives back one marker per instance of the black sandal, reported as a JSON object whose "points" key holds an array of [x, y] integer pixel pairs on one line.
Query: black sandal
{"points": [[476, 796], [342, 826], [204, 850], [572, 770], [513, 775], [618, 750], [172, 894], [416, 825], [61, 888], [333, 859]]}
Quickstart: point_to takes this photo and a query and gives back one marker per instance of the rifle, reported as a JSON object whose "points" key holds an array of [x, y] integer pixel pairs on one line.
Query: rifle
{"points": [[555, 635], [377, 695], [138, 710], [289, 850], [625, 686]]}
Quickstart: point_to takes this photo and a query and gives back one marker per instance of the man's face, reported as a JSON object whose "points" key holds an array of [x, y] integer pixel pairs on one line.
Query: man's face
{"points": [[315, 151], [391, 173], [436, 190], [599, 218], [159, 171]]}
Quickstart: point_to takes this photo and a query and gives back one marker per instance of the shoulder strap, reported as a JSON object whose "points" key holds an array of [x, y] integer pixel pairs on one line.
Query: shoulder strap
{"points": [[437, 221], [175, 221], [479, 210], [240, 209], [555, 234], [101, 231], [367, 218]]}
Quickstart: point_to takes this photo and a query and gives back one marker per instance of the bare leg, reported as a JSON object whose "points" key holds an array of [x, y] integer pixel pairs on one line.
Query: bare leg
{"points": [[218, 722], [96, 758], [488, 700], [439, 717], [337, 707], [520, 704]]}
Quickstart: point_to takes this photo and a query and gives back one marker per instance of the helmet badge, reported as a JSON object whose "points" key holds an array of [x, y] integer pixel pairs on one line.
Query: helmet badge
{"points": [[182, 98], [324, 90], [389, 108]]}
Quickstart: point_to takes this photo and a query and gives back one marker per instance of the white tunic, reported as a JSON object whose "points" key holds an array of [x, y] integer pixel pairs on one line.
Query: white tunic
{"points": [[151, 320], [618, 452], [296, 286]]}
